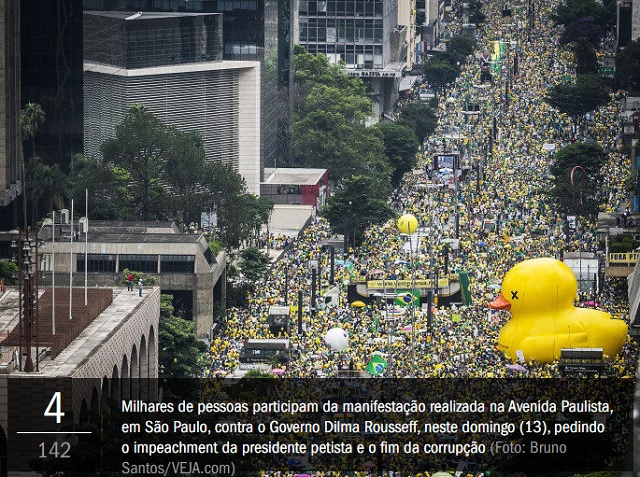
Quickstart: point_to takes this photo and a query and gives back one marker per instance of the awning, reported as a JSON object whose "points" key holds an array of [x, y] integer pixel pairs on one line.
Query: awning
{"points": [[407, 83]]}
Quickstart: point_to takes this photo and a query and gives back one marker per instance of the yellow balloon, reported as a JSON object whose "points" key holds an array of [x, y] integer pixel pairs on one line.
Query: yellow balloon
{"points": [[407, 224], [539, 293]]}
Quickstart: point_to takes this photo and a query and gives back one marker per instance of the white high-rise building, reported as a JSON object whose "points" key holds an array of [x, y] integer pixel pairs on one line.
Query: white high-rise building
{"points": [[172, 64]]}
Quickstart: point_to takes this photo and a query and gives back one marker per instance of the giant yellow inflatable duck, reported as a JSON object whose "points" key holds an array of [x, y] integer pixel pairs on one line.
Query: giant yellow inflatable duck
{"points": [[540, 293]]}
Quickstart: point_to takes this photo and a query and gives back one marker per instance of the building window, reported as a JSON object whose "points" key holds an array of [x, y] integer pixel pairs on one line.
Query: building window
{"points": [[177, 263], [97, 262], [139, 263]]}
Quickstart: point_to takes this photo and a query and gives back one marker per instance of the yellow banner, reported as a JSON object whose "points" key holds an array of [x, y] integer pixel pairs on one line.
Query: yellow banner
{"points": [[405, 284]]}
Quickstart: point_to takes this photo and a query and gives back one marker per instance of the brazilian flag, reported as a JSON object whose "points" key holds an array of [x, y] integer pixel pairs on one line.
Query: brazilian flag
{"points": [[499, 48], [404, 298], [376, 366]]}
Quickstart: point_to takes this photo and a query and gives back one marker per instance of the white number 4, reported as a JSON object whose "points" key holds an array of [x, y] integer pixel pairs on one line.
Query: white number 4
{"points": [[56, 400]]}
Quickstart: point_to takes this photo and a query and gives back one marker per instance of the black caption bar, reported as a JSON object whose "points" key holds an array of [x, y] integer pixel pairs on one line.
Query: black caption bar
{"points": [[173, 427]]}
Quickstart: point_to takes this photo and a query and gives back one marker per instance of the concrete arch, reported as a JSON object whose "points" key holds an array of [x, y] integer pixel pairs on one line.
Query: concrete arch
{"points": [[105, 396], [134, 379], [95, 407], [152, 382], [125, 388], [3, 453], [144, 368], [115, 384], [84, 411]]}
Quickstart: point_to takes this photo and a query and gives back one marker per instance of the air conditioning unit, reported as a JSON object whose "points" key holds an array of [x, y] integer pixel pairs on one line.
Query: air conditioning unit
{"points": [[64, 216], [84, 225]]}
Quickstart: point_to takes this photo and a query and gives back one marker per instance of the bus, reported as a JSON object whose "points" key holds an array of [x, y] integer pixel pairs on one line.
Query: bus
{"points": [[263, 350]]}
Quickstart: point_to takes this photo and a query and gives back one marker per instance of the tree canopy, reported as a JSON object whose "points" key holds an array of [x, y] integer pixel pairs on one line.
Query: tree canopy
{"points": [[579, 194], [586, 94], [360, 201], [461, 46], [178, 348], [152, 171], [330, 126], [400, 145], [420, 117], [603, 12], [583, 28], [442, 68]]}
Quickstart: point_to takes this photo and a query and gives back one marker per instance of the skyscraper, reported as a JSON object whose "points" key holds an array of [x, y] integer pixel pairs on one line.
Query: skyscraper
{"points": [[253, 30], [171, 63], [375, 39], [10, 147]]}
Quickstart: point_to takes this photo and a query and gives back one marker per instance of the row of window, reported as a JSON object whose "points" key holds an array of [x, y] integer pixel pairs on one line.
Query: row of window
{"points": [[97, 262], [240, 49], [341, 7], [341, 35], [171, 5], [230, 5], [341, 22], [332, 50]]}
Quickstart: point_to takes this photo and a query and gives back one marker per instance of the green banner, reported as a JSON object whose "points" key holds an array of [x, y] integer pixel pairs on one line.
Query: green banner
{"points": [[464, 286]]}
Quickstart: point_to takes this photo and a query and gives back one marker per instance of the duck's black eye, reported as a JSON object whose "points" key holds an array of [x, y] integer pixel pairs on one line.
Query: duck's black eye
{"points": [[514, 295]]}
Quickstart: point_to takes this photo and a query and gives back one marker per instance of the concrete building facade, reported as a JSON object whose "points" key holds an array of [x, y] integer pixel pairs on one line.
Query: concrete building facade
{"points": [[375, 39], [252, 30], [187, 86], [182, 264]]}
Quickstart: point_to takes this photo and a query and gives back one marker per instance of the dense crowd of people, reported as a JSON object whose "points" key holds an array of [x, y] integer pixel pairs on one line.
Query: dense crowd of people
{"points": [[497, 209]]}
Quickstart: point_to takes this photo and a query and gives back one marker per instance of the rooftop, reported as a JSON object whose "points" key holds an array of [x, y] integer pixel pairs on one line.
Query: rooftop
{"points": [[131, 16], [84, 343], [295, 176]]}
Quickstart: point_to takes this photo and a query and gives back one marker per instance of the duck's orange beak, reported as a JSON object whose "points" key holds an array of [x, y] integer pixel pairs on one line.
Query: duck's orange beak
{"points": [[500, 303]]}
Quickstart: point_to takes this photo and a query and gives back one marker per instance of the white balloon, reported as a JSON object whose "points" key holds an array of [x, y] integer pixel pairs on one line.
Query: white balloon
{"points": [[337, 339]]}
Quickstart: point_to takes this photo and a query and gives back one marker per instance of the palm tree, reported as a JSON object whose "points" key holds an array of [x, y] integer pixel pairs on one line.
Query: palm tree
{"points": [[31, 117]]}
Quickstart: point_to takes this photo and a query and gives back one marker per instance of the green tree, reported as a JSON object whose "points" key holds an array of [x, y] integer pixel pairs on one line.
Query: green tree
{"points": [[443, 68], [140, 147], [627, 74], [9, 273], [178, 349], [346, 148], [585, 57], [420, 117], [253, 264], [582, 29], [582, 196], [603, 13], [461, 46], [400, 146], [31, 117], [185, 162], [331, 112], [47, 185], [107, 186], [311, 70], [576, 99], [361, 202], [243, 218]]}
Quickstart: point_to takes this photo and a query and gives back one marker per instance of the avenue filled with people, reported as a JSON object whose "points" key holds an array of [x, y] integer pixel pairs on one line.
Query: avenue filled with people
{"points": [[496, 212]]}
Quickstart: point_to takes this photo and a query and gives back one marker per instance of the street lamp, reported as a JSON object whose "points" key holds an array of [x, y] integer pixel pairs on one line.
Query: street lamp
{"points": [[25, 252], [407, 225]]}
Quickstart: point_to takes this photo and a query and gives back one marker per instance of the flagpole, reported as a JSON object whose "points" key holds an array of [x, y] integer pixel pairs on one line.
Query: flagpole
{"points": [[86, 240], [53, 274], [71, 264]]}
